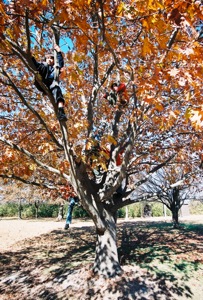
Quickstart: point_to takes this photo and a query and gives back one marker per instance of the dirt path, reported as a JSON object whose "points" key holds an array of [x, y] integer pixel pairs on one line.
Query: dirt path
{"points": [[14, 230]]}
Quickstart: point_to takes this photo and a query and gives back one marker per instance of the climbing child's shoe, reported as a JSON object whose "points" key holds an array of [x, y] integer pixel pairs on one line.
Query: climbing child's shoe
{"points": [[61, 114]]}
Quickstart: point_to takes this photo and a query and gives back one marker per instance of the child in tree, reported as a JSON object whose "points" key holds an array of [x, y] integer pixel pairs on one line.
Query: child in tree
{"points": [[46, 70], [118, 94]]}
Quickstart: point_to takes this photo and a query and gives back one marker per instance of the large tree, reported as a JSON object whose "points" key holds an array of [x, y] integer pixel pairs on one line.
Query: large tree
{"points": [[152, 46]]}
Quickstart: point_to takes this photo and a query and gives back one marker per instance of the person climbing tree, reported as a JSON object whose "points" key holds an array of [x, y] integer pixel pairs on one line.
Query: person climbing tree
{"points": [[117, 95], [73, 200], [46, 70], [98, 155]]}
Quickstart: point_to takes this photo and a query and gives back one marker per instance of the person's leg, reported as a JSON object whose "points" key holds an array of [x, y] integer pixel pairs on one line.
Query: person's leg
{"points": [[121, 99], [58, 96], [112, 98], [69, 213]]}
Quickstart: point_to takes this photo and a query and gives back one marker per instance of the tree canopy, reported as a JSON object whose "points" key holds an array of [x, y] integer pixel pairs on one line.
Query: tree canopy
{"points": [[154, 47]]}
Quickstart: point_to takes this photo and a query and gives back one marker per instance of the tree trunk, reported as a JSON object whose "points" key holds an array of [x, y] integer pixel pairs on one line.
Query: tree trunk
{"points": [[175, 217], [175, 207], [36, 209], [36, 212], [126, 213], [60, 212], [20, 208], [106, 260]]}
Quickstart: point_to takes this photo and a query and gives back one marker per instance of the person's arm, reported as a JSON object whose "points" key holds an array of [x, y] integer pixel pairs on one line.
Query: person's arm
{"points": [[60, 59], [35, 62], [59, 56]]}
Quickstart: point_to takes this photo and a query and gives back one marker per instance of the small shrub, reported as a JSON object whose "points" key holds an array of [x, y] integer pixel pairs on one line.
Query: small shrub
{"points": [[9, 209], [48, 210], [135, 210], [196, 207], [28, 211], [121, 213], [157, 209], [79, 212]]}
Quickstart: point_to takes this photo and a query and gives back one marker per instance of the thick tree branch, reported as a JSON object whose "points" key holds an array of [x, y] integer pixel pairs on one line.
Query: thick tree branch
{"points": [[155, 169], [22, 98], [170, 43], [13, 176], [162, 164], [27, 30], [33, 158]]}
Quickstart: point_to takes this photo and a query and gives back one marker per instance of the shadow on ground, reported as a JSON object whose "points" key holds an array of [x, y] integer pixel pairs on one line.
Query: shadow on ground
{"points": [[158, 263]]}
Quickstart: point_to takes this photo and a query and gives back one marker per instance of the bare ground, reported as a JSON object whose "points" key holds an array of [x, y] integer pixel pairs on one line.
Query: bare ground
{"points": [[39, 260], [14, 231]]}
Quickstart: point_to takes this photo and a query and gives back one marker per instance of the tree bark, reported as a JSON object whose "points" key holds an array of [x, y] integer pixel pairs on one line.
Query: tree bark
{"points": [[106, 260], [20, 208], [60, 212], [175, 207], [36, 208], [175, 217]]}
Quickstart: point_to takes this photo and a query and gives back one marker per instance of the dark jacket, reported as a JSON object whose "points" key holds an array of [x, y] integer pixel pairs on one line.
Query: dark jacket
{"points": [[46, 71]]}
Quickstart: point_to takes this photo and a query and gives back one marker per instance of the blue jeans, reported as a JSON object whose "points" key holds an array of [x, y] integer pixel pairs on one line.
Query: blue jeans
{"points": [[72, 203]]}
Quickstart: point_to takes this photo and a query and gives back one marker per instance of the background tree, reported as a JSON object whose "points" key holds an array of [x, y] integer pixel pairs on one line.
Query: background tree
{"points": [[16, 192], [153, 47], [37, 204], [173, 186]]}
